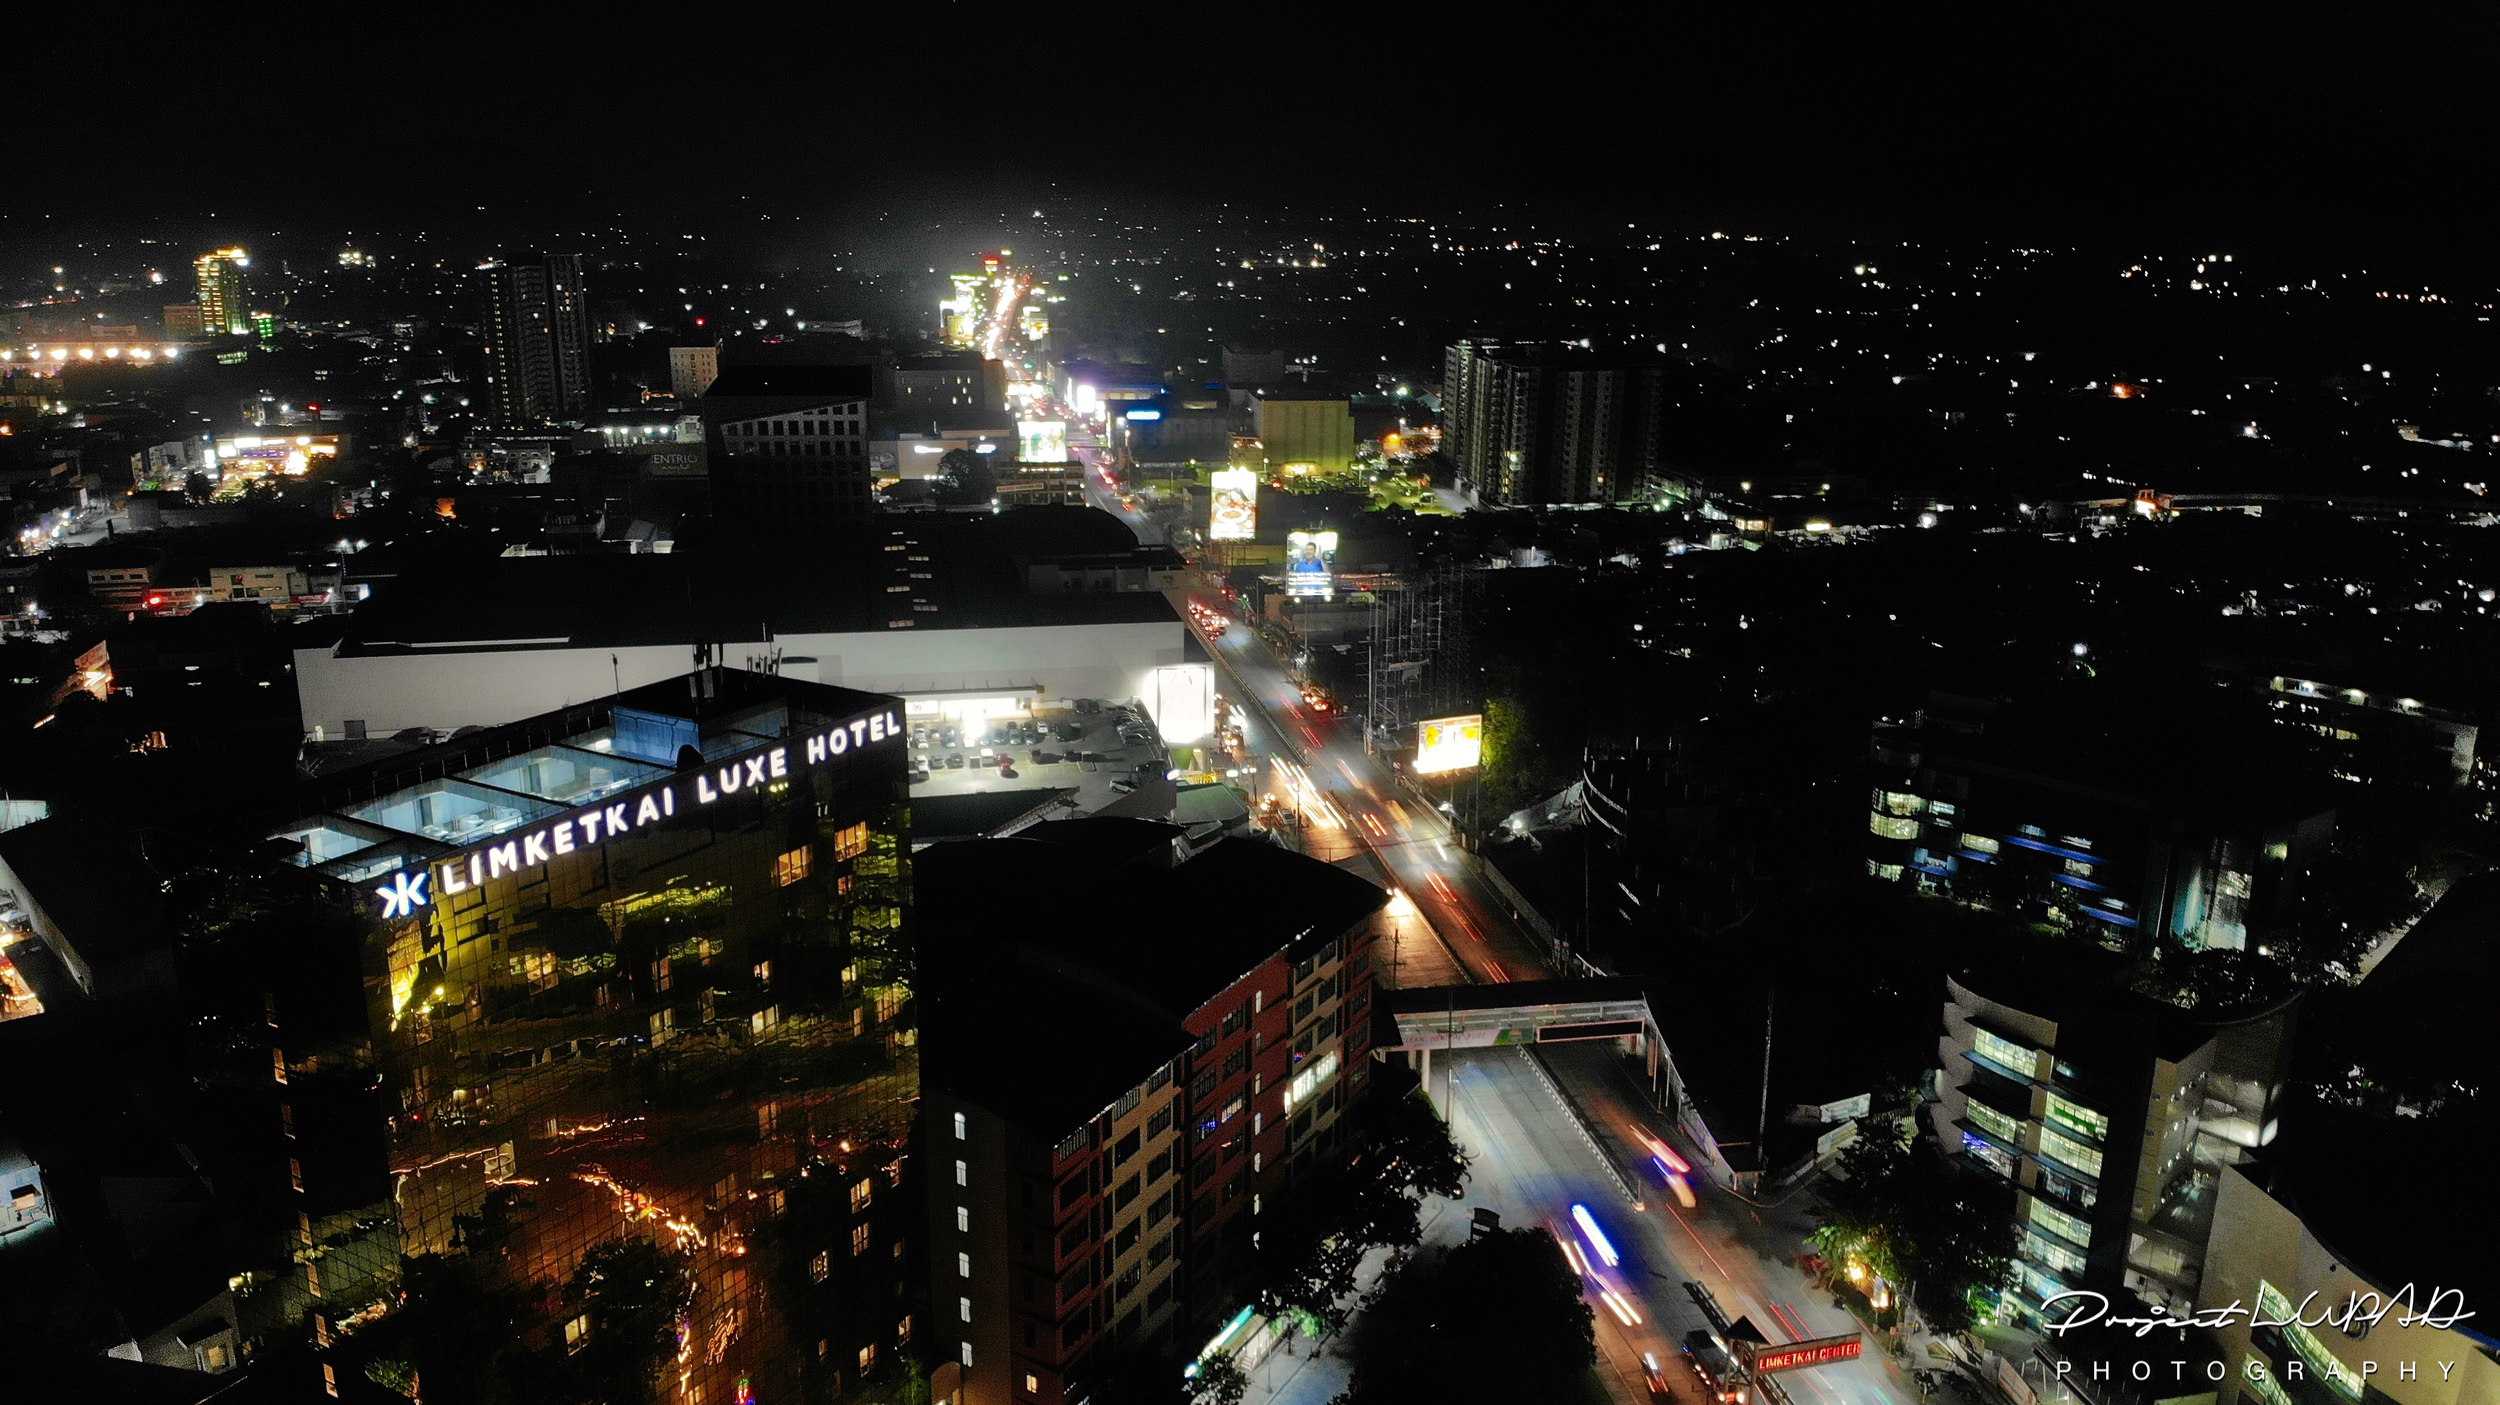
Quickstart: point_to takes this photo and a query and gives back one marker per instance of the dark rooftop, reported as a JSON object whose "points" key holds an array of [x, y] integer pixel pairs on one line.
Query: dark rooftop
{"points": [[773, 381]]}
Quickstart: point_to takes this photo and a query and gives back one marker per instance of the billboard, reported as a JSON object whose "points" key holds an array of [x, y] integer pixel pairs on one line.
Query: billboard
{"points": [[1234, 513], [1310, 562], [1181, 699], [1449, 744], [1042, 441]]}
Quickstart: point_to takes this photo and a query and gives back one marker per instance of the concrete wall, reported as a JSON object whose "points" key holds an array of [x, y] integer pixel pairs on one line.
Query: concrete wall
{"points": [[448, 689], [2256, 1239]]}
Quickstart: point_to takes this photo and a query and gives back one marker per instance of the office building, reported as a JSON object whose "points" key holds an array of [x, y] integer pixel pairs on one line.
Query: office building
{"points": [[1530, 423], [955, 391], [2199, 843], [789, 447], [691, 371], [185, 321], [1304, 431], [1102, 1206], [2378, 738], [2107, 1118], [536, 326]]}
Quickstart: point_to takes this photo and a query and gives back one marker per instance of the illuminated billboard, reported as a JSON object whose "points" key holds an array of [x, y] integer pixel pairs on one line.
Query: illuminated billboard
{"points": [[1449, 744], [1310, 562], [1233, 513], [1180, 697], [1042, 441]]}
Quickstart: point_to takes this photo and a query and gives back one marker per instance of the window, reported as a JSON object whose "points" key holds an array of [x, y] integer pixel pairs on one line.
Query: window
{"points": [[1998, 1050], [963, 1219], [1990, 1120], [963, 1265], [2059, 1147], [792, 866], [1895, 802], [1981, 844], [1889, 872], [967, 1354], [851, 842], [868, 1358], [577, 1334], [1892, 826], [1032, 1384], [2079, 1119], [963, 1173], [959, 1126], [861, 1235], [820, 1266], [861, 1192], [902, 1331], [1161, 1121]]}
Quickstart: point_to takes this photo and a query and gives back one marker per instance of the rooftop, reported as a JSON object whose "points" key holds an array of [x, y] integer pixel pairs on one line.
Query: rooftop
{"points": [[776, 381]]}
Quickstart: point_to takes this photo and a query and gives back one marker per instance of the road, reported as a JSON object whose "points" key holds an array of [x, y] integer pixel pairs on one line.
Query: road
{"points": [[1533, 1164]]}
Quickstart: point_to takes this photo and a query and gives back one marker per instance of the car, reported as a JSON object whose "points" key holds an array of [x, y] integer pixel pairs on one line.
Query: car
{"points": [[1713, 1368], [1655, 1376], [954, 761]]}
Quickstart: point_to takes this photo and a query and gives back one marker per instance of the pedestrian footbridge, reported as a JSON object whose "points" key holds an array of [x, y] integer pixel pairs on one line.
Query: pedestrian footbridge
{"points": [[1519, 1013]]}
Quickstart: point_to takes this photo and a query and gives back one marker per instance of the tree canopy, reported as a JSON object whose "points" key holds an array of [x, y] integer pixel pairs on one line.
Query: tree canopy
{"points": [[1500, 1317], [1911, 1220]]}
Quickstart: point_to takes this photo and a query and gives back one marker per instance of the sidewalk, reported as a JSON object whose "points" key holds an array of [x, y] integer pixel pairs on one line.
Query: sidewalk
{"points": [[1301, 1372]]}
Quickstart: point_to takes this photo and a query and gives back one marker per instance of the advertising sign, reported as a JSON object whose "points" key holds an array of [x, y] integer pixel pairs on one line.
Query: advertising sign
{"points": [[1798, 1355], [1449, 744], [1310, 562], [1234, 512], [1042, 441], [1181, 699]]}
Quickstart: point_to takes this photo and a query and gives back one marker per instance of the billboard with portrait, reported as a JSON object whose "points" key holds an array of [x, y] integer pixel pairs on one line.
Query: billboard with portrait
{"points": [[1233, 515], [1449, 744]]}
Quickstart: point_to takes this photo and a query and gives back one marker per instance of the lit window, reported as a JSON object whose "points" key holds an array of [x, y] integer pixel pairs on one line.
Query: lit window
{"points": [[963, 1265], [577, 1334], [860, 1193], [792, 866], [851, 841], [1892, 826], [820, 1266], [964, 1305], [959, 1126], [867, 1359], [967, 1353], [963, 1219], [861, 1235], [902, 1331], [1980, 844], [963, 1173]]}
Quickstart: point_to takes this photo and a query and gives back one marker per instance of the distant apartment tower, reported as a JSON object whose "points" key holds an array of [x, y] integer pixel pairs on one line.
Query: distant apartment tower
{"points": [[2109, 1117], [789, 446], [1531, 423], [537, 332], [225, 305], [691, 371], [1111, 1117], [185, 321]]}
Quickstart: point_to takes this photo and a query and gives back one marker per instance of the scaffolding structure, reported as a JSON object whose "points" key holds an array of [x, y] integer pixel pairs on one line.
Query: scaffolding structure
{"points": [[1421, 666]]}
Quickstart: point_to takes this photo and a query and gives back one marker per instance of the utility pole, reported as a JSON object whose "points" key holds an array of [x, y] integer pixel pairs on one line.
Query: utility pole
{"points": [[1762, 1124]]}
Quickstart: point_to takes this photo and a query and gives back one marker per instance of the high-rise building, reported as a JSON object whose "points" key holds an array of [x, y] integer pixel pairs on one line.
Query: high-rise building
{"points": [[225, 305], [185, 321], [537, 334], [691, 371], [789, 446], [2105, 1116], [1102, 1205], [1530, 423]]}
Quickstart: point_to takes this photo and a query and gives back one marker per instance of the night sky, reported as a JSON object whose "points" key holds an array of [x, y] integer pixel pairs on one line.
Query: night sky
{"points": [[2367, 136]]}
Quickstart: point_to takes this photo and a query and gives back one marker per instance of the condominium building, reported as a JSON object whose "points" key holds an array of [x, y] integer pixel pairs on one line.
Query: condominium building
{"points": [[1530, 423], [1101, 1207], [691, 371], [536, 327]]}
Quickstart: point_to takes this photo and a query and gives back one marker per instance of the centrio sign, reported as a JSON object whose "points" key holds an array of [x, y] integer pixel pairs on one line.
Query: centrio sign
{"points": [[597, 824]]}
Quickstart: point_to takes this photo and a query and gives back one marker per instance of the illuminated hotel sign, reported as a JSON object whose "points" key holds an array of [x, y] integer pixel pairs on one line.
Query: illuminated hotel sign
{"points": [[1821, 1351], [654, 804]]}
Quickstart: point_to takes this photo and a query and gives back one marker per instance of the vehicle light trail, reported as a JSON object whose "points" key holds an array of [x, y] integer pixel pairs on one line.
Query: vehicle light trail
{"points": [[1494, 969], [1704, 1247], [1623, 1310], [1597, 1237]]}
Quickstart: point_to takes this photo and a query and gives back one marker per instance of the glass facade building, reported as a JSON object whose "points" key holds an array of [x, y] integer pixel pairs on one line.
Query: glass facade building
{"points": [[620, 1085]]}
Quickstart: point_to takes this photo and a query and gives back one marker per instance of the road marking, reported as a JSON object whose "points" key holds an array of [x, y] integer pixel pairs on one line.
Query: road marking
{"points": [[1697, 1240]]}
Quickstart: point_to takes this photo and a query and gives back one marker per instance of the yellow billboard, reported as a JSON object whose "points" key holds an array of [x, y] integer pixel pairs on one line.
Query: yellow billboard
{"points": [[1233, 513], [1449, 744]]}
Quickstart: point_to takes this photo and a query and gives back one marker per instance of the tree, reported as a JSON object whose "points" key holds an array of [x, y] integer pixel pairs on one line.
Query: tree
{"points": [[964, 477], [632, 1291], [1220, 1381], [196, 487], [1914, 1222], [1500, 1317], [1373, 1203]]}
